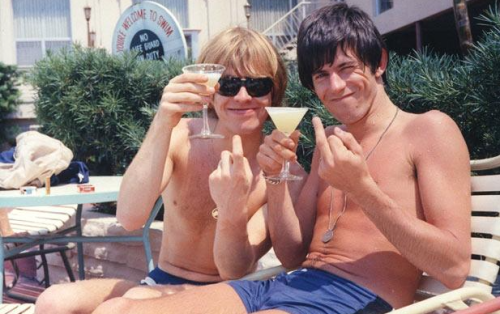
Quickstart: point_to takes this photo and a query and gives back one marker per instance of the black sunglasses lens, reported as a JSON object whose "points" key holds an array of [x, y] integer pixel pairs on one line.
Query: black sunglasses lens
{"points": [[229, 86], [259, 87], [256, 87]]}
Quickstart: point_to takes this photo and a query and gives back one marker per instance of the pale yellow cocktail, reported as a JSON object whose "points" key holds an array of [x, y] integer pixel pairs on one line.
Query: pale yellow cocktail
{"points": [[213, 72], [213, 79], [286, 119]]}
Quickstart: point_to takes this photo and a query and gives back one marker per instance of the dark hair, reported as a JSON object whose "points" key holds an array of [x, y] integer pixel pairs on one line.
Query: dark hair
{"points": [[335, 26]]}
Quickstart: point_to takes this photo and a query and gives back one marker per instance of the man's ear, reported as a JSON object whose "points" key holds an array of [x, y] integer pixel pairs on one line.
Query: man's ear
{"points": [[383, 64]]}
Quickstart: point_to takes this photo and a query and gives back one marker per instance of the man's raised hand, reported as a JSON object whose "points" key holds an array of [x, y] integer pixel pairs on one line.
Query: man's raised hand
{"points": [[341, 159], [276, 148], [184, 93], [231, 182]]}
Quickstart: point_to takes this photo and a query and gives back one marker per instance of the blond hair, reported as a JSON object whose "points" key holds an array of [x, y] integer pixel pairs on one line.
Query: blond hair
{"points": [[248, 53]]}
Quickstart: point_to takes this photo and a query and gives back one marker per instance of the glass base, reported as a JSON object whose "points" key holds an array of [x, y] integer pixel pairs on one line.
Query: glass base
{"points": [[207, 136], [285, 177]]}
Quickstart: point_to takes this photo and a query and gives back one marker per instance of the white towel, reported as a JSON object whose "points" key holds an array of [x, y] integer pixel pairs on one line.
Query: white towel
{"points": [[37, 156]]}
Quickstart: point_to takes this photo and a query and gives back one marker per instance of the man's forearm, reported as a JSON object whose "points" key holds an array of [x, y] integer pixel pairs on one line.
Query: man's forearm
{"points": [[418, 241], [289, 234], [233, 254], [143, 179]]}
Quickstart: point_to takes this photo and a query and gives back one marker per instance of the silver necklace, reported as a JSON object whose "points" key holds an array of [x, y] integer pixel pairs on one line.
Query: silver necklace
{"points": [[328, 236]]}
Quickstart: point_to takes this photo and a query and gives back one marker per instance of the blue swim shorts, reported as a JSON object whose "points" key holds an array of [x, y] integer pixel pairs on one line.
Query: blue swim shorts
{"points": [[160, 277], [309, 291]]}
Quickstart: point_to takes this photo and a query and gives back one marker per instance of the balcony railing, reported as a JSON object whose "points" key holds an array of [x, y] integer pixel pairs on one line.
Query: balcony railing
{"points": [[283, 32]]}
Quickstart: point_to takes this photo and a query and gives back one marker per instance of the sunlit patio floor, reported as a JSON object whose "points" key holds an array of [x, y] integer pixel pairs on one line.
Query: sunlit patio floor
{"points": [[25, 286]]}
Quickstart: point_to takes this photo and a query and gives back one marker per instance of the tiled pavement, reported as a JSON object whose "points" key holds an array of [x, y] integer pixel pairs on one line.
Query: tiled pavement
{"points": [[25, 287]]}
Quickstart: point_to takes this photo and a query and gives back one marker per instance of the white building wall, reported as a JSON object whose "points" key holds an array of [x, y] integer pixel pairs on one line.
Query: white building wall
{"points": [[206, 18], [210, 17], [7, 48], [105, 15], [403, 13]]}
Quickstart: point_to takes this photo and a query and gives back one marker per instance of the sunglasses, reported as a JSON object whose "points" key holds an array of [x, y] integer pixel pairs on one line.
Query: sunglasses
{"points": [[256, 87]]}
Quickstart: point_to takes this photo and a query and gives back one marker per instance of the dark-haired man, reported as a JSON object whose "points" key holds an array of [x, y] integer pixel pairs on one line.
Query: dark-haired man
{"points": [[388, 196]]}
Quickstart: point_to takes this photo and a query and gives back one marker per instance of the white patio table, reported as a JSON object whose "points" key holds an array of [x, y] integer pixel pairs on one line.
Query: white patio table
{"points": [[106, 190]]}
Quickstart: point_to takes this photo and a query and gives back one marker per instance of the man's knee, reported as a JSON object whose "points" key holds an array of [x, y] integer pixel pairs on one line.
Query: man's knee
{"points": [[56, 299], [142, 292], [149, 292]]}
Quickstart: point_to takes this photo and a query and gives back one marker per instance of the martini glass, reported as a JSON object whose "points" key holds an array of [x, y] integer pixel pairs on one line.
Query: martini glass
{"points": [[213, 72], [286, 119]]}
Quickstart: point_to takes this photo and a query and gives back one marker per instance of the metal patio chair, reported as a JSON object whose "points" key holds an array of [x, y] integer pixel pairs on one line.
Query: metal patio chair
{"points": [[41, 220], [17, 308]]}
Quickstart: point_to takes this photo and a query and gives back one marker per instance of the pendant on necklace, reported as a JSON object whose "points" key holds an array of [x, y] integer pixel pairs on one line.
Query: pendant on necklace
{"points": [[327, 236], [215, 213]]}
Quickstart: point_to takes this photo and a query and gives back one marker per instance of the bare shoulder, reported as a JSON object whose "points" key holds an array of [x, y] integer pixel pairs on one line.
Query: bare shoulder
{"points": [[431, 123], [434, 133]]}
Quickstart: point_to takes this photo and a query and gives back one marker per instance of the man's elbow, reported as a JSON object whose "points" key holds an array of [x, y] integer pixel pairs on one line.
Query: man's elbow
{"points": [[231, 270], [456, 277], [291, 259], [232, 274], [291, 264], [126, 222]]}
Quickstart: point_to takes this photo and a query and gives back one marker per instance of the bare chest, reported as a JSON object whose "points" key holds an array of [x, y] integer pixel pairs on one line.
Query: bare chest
{"points": [[188, 194]]}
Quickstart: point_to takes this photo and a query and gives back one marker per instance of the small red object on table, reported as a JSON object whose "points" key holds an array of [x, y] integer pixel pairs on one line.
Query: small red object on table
{"points": [[85, 188]]}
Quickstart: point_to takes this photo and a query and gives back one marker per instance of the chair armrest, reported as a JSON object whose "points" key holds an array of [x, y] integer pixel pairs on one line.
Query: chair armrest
{"points": [[453, 299], [491, 306], [26, 308], [485, 164]]}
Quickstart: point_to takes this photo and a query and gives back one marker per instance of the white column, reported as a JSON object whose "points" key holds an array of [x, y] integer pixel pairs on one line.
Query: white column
{"points": [[7, 40]]}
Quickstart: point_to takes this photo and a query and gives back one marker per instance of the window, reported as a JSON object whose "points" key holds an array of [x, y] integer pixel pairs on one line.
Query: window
{"points": [[178, 8], [40, 25], [382, 6], [264, 13]]}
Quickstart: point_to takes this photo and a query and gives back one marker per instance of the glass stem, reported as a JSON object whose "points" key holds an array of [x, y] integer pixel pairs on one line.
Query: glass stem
{"points": [[206, 127], [285, 172]]}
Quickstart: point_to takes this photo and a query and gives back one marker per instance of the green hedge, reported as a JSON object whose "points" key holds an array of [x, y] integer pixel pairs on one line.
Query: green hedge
{"points": [[99, 105], [9, 94], [468, 90]]}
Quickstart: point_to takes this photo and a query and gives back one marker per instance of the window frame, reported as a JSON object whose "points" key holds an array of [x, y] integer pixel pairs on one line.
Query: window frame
{"points": [[378, 6], [42, 40]]}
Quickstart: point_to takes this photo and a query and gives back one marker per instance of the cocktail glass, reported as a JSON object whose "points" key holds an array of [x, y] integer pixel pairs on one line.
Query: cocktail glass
{"points": [[286, 119], [213, 72]]}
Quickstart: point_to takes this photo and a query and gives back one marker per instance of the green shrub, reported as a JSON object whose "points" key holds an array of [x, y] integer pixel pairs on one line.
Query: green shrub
{"points": [[9, 94], [468, 90], [99, 105]]}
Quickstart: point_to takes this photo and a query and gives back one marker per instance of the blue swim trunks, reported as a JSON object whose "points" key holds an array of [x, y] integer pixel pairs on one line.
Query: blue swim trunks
{"points": [[309, 291], [160, 277]]}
